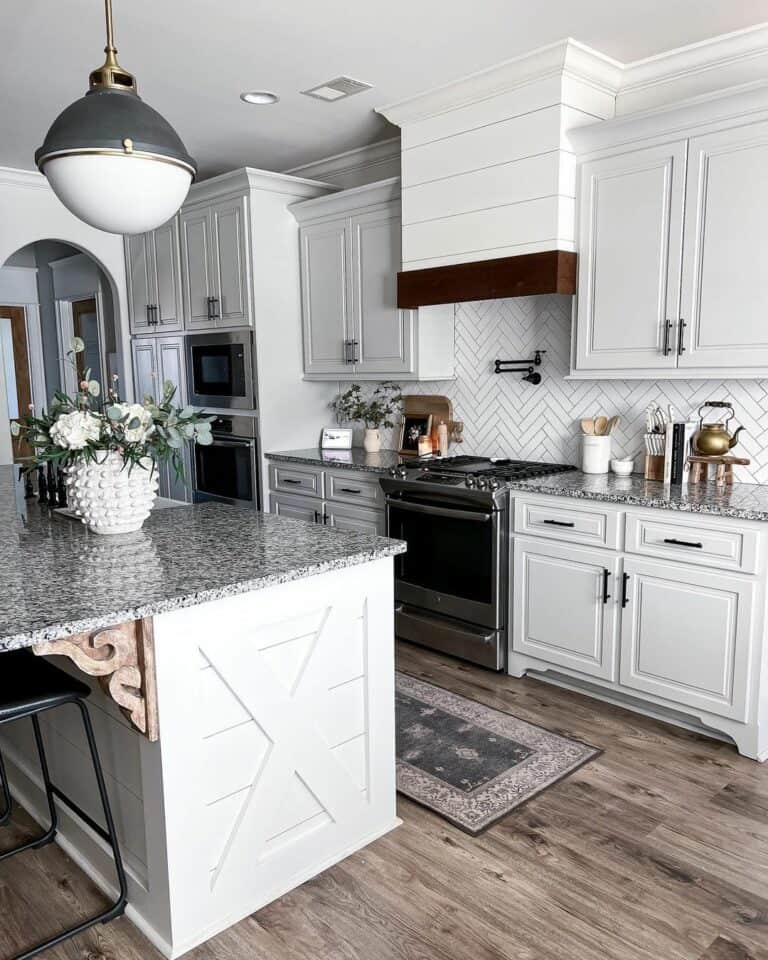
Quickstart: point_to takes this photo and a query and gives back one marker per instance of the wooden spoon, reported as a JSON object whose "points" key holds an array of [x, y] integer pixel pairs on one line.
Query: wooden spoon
{"points": [[601, 426], [588, 426], [612, 424]]}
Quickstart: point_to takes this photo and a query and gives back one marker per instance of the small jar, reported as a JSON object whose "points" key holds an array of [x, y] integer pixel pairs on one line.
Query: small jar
{"points": [[595, 454]]}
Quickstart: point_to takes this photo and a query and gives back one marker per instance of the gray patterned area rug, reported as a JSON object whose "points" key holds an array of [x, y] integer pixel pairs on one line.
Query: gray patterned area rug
{"points": [[469, 763]]}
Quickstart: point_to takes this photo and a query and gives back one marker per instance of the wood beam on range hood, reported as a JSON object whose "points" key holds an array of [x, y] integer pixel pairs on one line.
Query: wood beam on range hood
{"points": [[551, 271]]}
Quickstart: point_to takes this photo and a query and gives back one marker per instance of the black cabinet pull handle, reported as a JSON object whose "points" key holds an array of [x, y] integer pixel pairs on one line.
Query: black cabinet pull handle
{"points": [[560, 523], [349, 490], [288, 480], [355, 358], [680, 334], [666, 350], [606, 595], [683, 543], [347, 351], [624, 584], [317, 516]]}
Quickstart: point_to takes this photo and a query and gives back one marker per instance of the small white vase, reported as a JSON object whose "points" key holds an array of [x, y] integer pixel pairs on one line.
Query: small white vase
{"points": [[372, 440], [110, 496]]}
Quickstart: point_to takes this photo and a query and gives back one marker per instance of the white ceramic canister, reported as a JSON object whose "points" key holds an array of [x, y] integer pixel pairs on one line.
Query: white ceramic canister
{"points": [[595, 454]]}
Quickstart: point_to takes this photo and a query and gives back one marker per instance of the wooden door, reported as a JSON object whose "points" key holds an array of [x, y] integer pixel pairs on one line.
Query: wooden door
{"points": [[687, 635], [630, 246], [565, 606], [360, 519], [170, 363], [167, 277], [382, 335], [296, 508], [326, 298], [140, 268], [725, 282], [196, 267], [230, 263], [14, 355]]}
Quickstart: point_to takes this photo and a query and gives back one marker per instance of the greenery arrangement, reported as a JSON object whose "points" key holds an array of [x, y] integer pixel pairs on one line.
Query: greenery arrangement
{"points": [[377, 411], [81, 428]]}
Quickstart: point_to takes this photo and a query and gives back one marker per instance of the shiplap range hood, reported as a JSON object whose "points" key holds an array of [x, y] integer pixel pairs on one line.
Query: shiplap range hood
{"points": [[488, 176]]}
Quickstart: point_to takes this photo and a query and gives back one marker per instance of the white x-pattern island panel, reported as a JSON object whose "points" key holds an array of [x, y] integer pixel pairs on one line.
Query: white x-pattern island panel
{"points": [[278, 740]]}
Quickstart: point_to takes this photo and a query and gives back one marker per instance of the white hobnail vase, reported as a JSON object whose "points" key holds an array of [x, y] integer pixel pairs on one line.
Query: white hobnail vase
{"points": [[372, 440], [109, 496]]}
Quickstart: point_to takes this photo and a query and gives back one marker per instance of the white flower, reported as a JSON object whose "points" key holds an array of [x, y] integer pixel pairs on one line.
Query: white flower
{"points": [[74, 430], [134, 432]]}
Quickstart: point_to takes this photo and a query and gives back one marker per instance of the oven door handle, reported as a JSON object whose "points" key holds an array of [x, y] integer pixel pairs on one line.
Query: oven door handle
{"points": [[439, 511], [230, 442]]}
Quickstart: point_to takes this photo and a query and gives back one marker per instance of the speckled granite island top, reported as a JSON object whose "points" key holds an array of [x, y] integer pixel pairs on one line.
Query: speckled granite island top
{"points": [[58, 579], [741, 501]]}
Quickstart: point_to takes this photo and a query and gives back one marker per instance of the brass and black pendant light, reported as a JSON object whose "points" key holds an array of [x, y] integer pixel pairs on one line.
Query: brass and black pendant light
{"points": [[111, 159]]}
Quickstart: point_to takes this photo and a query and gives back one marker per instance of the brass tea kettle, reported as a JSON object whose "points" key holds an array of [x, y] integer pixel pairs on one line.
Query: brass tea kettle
{"points": [[713, 439]]}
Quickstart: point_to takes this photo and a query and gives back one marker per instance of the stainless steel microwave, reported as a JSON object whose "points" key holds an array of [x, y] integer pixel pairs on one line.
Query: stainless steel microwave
{"points": [[221, 371]]}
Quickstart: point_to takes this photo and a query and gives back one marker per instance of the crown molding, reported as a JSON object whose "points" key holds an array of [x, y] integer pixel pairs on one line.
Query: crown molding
{"points": [[731, 59], [346, 201], [566, 57], [350, 162], [14, 177], [247, 179]]}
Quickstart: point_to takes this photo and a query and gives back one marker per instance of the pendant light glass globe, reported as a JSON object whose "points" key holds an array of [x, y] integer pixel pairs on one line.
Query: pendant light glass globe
{"points": [[111, 159]]}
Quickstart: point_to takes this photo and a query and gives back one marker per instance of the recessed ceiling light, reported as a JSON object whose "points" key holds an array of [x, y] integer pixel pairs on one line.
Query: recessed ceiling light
{"points": [[259, 96]]}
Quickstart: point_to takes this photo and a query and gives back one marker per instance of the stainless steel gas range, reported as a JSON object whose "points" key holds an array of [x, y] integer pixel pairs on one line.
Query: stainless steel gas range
{"points": [[452, 586]]}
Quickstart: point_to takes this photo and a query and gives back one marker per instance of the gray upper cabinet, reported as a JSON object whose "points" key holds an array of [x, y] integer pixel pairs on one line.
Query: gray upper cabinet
{"points": [[155, 360], [381, 334], [154, 280], [352, 327], [325, 294], [214, 256]]}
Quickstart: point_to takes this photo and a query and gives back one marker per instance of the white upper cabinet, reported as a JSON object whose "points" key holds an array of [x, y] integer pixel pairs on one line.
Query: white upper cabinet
{"points": [[325, 295], [382, 334], [630, 242], [352, 327], [154, 280], [672, 250], [215, 264], [725, 281]]}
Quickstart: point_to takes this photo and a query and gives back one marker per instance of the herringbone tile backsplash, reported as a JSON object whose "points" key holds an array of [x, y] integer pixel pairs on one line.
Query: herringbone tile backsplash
{"points": [[504, 416]]}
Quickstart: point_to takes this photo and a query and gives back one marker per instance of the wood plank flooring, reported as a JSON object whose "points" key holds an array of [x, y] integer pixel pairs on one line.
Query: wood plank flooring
{"points": [[658, 850]]}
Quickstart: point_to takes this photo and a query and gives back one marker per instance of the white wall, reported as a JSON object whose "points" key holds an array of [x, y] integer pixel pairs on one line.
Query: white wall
{"points": [[30, 211]]}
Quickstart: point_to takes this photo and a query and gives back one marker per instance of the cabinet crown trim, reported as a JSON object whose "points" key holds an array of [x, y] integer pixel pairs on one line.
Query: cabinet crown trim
{"points": [[347, 201], [249, 178]]}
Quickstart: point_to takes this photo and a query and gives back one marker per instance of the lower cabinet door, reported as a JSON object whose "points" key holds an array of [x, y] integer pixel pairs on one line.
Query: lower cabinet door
{"points": [[565, 606], [355, 518], [687, 636], [296, 508]]}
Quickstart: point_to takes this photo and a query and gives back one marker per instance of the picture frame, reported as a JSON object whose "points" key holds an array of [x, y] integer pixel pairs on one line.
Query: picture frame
{"points": [[413, 427]]}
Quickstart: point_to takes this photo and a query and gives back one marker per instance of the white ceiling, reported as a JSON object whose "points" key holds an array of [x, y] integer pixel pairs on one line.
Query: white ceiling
{"points": [[193, 58]]}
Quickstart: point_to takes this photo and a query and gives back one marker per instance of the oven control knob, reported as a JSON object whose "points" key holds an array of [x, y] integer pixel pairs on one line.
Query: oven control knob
{"points": [[482, 483], [493, 484], [400, 473], [470, 481]]}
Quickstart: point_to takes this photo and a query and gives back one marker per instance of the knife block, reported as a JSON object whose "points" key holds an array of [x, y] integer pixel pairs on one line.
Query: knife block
{"points": [[654, 466]]}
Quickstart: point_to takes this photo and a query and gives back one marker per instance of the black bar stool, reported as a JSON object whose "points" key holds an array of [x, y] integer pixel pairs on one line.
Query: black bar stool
{"points": [[30, 686]]}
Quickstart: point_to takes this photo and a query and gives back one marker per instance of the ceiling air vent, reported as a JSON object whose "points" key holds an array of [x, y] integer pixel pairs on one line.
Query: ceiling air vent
{"points": [[337, 89]]}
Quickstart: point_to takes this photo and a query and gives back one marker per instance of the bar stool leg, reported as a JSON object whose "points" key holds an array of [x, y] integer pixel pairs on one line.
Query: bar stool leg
{"points": [[7, 803], [50, 833], [118, 907]]}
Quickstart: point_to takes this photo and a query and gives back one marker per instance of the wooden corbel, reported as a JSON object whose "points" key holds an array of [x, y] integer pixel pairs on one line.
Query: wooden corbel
{"points": [[123, 659]]}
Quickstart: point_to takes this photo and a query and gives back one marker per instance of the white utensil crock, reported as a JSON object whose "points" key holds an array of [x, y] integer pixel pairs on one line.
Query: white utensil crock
{"points": [[595, 454]]}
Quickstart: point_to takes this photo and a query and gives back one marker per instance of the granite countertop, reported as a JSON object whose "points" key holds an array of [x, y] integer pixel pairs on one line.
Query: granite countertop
{"points": [[354, 459], [59, 579], [741, 501]]}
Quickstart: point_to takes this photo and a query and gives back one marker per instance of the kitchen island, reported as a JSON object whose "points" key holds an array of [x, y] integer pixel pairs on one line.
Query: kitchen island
{"points": [[242, 669]]}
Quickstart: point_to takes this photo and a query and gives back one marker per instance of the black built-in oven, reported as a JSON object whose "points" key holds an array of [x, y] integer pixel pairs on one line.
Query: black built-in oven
{"points": [[228, 469], [220, 370], [450, 585]]}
